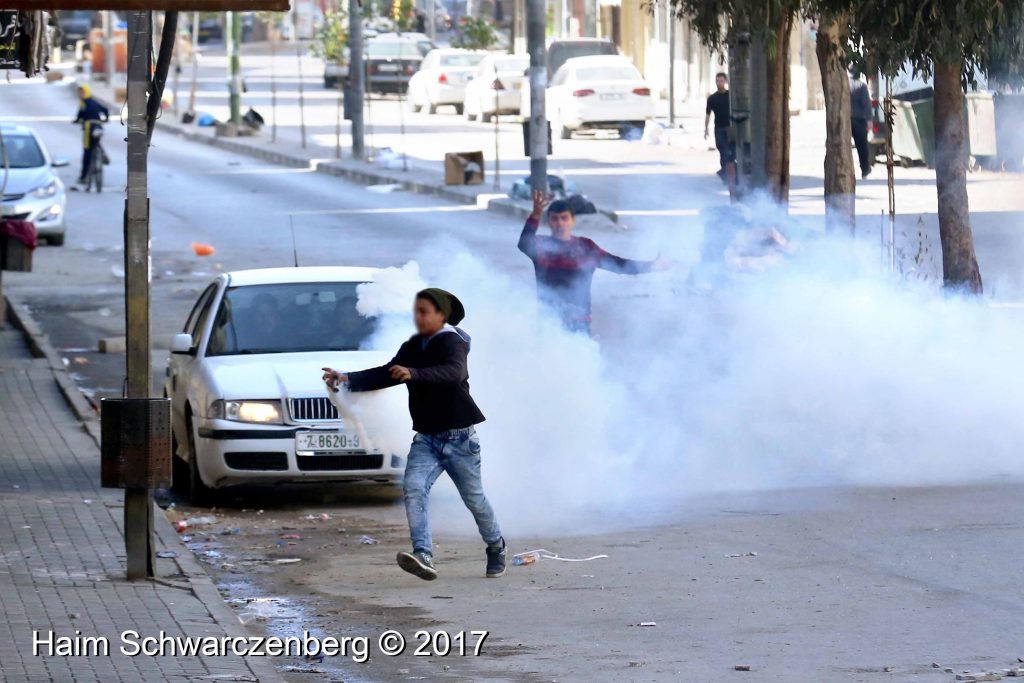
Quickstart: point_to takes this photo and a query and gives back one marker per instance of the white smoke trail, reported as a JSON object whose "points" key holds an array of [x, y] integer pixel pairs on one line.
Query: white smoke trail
{"points": [[816, 372]]}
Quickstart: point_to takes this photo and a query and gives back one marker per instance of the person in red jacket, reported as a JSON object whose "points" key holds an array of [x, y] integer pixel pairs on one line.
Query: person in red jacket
{"points": [[564, 264]]}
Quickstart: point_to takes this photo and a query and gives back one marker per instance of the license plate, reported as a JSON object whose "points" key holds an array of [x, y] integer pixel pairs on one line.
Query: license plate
{"points": [[389, 67], [314, 443], [611, 96]]}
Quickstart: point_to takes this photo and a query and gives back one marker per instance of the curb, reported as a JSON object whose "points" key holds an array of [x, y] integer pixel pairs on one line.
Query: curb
{"points": [[354, 171], [199, 580]]}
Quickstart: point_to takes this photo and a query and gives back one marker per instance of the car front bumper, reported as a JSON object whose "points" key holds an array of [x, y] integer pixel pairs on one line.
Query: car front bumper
{"points": [[234, 453], [47, 213]]}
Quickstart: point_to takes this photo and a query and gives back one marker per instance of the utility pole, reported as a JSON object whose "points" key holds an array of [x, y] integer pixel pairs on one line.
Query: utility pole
{"points": [[138, 502], [195, 63], [234, 36], [536, 20], [108, 47], [355, 76], [671, 67]]}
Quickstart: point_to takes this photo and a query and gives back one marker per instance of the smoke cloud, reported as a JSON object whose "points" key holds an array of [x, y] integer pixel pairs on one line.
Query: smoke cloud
{"points": [[810, 368]]}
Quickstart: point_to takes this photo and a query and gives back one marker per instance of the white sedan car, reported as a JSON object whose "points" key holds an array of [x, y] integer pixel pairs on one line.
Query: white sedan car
{"points": [[247, 400], [598, 92], [442, 79], [496, 87], [33, 191]]}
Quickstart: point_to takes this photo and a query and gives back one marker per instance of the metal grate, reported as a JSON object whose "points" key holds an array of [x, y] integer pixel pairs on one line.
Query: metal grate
{"points": [[318, 409], [340, 463], [275, 462]]}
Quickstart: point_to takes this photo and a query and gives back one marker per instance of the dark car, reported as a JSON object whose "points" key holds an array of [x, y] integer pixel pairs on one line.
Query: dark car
{"points": [[210, 29], [75, 25], [391, 59], [560, 51]]}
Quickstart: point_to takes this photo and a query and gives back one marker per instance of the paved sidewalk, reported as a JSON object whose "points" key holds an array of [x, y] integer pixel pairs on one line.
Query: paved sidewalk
{"points": [[62, 553]]}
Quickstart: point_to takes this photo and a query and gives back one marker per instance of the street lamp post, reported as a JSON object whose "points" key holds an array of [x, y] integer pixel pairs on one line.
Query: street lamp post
{"points": [[536, 19], [234, 35], [355, 76]]}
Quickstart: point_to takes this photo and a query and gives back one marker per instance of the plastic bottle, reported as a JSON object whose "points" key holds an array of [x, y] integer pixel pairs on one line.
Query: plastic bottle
{"points": [[525, 558]]}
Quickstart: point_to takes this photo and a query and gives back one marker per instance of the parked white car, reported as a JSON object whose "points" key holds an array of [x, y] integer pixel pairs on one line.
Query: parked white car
{"points": [[248, 403], [496, 86], [442, 79], [33, 191], [588, 93]]}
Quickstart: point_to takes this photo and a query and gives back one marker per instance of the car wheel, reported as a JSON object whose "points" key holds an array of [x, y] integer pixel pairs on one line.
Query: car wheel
{"points": [[459, 109], [431, 108], [563, 132], [470, 116], [328, 83], [486, 118], [55, 240], [413, 107], [198, 492]]}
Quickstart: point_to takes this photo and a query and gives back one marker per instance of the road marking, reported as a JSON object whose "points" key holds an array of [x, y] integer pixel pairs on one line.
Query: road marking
{"points": [[394, 209]]}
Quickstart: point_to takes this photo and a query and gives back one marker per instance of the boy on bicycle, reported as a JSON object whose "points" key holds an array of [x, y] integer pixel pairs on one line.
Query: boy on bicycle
{"points": [[90, 114]]}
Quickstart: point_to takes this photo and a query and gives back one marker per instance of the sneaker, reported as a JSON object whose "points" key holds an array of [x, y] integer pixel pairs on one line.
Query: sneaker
{"points": [[496, 560], [419, 563]]}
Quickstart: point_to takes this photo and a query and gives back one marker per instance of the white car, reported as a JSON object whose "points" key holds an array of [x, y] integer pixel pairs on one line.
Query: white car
{"points": [[496, 86], [248, 403], [442, 79], [33, 191], [597, 92]]}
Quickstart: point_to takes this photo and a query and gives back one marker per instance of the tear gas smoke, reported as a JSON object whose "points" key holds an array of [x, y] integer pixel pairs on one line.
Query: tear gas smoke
{"points": [[817, 371]]}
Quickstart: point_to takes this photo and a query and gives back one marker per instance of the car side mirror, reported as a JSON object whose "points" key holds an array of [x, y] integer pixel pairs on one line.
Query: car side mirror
{"points": [[60, 162], [182, 343]]}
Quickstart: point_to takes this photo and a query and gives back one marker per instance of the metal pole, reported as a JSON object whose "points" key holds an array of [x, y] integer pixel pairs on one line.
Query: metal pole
{"points": [[432, 14], [138, 503], [497, 150], [234, 36], [536, 19], [302, 101], [355, 76], [108, 47], [273, 88], [177, 74], [671, 67], [195, 62]]}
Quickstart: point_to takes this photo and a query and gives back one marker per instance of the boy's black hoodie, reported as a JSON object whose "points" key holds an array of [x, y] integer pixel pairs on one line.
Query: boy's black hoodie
{"points": [[439, 397]]}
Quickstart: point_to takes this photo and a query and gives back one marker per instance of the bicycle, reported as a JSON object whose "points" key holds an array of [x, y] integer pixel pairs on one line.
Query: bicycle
{"points": [[98, 159]]}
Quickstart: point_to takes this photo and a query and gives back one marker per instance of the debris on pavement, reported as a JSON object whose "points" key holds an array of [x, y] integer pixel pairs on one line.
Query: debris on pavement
{"points": [[531, 556], [368, 540], [748, 554], [167, 554], [202, 249], [648, 624], [742, 667], [183, 524], [384, 189]]}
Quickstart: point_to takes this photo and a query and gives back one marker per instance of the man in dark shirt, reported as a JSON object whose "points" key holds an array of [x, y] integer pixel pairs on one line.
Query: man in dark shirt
{"points": [[433, 366], [860, 120], [564, 264], [718, 103]]}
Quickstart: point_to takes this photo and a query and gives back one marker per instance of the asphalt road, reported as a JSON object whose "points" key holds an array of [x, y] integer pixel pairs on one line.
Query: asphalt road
{"points": [[846, 583]]}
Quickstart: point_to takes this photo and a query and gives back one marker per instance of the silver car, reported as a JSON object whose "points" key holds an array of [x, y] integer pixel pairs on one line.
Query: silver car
{"points": [[32, 191]]}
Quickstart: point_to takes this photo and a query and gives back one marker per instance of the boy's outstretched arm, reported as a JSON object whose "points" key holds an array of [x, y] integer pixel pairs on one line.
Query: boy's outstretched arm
{"points": [[371, 379]]}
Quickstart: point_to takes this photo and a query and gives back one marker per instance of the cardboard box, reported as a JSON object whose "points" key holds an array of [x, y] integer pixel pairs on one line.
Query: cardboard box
{"points": [[463, 168]]}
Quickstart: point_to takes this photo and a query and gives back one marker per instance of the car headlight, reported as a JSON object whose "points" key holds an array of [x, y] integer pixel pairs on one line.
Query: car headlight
{"points": [[263, 412], [47, 190]]}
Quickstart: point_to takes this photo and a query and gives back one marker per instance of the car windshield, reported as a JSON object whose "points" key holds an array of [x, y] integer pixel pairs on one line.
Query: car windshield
{"points": [[393, 49], [461, 59], [289, 318], [607, 73], [22, 151], [511, 64]]}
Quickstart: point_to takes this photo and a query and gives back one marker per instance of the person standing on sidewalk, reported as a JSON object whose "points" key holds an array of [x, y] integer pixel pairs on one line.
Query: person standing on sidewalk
{"points": [[90, 114], [433, 366], [860, 119], [718, 104], [564, 265]]}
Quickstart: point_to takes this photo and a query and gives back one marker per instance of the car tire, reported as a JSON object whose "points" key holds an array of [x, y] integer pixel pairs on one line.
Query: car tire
{"points": [[431, 108], [459, 109], [55, 240], [328, 83], [563, 132], [470, 116], [486, 118], [198, 492], [413, 107]]}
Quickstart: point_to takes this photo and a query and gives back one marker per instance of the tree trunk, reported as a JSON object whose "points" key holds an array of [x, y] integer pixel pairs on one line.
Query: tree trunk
{"points": [[777, 116], [959, 264], [840, 176]]}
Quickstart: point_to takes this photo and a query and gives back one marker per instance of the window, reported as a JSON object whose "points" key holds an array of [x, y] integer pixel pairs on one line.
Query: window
{"points": [[201, 303], [394, 49], [461, 59], [289, 318], [608, 73], [516, 65], [22, 151]]}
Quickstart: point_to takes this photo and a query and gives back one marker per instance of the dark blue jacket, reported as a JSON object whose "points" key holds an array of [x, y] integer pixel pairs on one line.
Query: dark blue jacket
{"points": [[91, 110]]}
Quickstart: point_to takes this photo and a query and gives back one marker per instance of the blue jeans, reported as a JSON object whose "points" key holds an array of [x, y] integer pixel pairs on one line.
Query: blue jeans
{"points": [[456, 452]]}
